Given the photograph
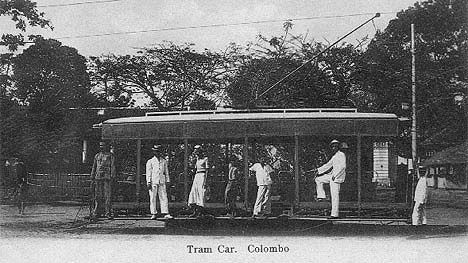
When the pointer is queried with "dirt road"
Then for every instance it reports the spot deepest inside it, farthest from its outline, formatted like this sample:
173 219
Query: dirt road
58 234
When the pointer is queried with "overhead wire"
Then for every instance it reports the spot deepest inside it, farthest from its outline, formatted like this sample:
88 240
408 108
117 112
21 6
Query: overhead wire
216 25
316 56
80 3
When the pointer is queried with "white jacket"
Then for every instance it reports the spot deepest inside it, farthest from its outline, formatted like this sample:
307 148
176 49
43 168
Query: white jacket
157 171
262 173
338 165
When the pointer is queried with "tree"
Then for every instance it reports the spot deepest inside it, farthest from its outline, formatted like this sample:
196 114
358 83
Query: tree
106 88
324 82
48 80
171 75
441 69
306 88
50 77
22 13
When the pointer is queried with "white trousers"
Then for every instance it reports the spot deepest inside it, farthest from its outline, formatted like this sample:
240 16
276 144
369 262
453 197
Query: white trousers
334 192
419 214
158 190
263 204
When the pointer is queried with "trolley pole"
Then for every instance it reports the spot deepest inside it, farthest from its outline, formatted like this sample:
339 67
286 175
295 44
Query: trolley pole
413 117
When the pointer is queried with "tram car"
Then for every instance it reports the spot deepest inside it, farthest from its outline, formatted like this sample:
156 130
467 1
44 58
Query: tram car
293 141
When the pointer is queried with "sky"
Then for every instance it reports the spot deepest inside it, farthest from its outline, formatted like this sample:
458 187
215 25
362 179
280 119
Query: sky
97 27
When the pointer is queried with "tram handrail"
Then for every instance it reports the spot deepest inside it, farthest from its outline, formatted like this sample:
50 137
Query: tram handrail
194 112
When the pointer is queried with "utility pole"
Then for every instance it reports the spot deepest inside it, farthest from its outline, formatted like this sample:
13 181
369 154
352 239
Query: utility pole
413 117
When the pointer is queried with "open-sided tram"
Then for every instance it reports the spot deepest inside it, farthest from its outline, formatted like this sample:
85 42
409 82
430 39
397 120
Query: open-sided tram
295 140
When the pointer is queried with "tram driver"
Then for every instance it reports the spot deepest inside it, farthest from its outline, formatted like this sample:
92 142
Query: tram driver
335 178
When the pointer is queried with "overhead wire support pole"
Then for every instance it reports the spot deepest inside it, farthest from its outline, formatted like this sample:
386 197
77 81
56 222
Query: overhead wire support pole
413 117
316 56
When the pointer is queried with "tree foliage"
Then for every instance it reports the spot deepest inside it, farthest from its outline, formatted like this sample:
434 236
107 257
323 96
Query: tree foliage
49 75
171 75
49 79
441 41
105 87
323 82
22 13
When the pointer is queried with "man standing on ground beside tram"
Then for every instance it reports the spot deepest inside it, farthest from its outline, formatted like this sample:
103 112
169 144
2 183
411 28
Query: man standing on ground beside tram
420 198
22 184
335 177
102 174
157 176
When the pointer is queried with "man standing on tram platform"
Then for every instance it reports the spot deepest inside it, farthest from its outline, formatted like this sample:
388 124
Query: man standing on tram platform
335 177
262 172
102 174
232 186
157 176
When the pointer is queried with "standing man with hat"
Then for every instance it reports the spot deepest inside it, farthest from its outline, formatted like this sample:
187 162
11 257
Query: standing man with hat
262 171
337 165
157 176
102 173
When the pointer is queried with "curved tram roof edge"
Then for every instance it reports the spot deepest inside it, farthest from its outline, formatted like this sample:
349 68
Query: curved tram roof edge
251 116
218 125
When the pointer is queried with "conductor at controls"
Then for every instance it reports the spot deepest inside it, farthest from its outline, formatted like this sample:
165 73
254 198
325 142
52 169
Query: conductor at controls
335 177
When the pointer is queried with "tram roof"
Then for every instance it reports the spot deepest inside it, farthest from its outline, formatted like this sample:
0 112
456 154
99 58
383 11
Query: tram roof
251 123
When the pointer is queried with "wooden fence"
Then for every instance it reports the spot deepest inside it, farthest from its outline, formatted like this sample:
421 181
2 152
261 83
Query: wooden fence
58 187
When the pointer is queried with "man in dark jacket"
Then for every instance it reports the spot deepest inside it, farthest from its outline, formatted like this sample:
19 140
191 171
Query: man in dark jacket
230 193
22 184
102 174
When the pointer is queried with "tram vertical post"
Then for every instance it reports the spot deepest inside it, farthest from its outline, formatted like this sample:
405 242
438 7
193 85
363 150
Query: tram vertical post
359 173
138 171
245 153
186 154
296 170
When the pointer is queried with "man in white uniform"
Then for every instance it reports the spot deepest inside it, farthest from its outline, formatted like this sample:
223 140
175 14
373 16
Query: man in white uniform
420 198
335 177
157 175
262 172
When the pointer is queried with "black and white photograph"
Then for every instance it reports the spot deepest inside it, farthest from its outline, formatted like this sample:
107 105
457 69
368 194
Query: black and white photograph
233 131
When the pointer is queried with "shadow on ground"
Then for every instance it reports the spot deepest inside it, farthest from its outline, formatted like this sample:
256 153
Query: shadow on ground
258 228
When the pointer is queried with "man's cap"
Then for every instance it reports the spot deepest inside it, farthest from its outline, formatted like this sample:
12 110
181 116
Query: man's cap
102 143
197 146
156 147
334 141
